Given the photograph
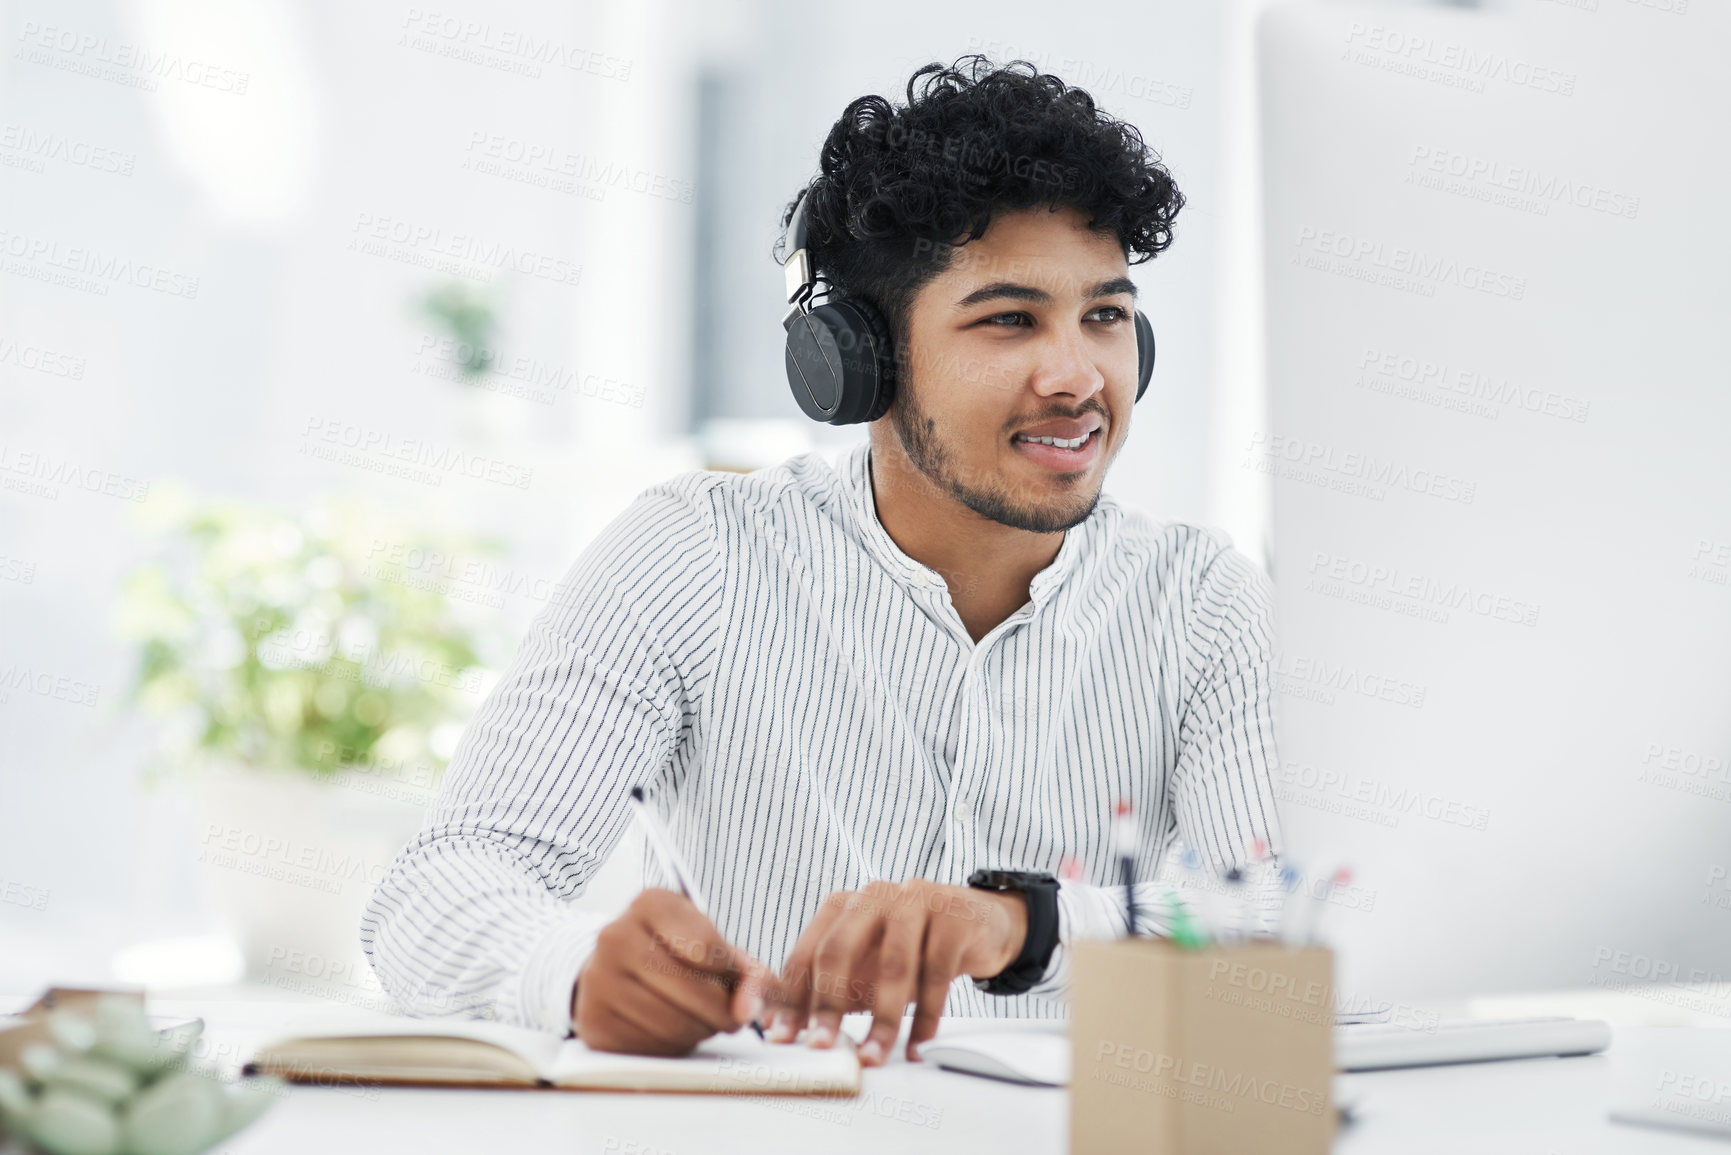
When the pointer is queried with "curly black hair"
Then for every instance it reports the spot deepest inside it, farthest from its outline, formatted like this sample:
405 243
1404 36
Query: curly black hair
898 189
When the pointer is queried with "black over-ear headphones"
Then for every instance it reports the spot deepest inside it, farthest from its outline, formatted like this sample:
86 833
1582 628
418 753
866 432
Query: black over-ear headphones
841 361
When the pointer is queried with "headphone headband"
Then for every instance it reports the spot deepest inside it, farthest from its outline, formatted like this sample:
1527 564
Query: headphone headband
796 263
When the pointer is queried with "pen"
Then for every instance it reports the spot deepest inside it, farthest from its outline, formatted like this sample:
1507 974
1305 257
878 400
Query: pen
1184 930
1207 896
670 860
1290 878
1124 835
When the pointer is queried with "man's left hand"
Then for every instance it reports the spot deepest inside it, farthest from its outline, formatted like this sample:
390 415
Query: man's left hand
889 945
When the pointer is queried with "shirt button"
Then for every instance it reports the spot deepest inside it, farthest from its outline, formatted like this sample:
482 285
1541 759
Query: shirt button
960 813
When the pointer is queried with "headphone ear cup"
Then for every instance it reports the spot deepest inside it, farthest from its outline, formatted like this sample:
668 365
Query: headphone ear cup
840 362
1144 353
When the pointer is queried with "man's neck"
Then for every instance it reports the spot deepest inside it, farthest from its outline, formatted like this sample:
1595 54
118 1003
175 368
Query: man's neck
987 565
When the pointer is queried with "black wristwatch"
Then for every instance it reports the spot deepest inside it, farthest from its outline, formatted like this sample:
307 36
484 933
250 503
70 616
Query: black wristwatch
1041 893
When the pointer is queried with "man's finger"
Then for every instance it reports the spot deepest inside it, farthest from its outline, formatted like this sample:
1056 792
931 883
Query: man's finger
793 995
844 969
756 989
701 994
898 972
941 965
668 1029
681 929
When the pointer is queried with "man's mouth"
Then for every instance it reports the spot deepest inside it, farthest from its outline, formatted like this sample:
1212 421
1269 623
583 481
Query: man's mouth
1064 451
1060 442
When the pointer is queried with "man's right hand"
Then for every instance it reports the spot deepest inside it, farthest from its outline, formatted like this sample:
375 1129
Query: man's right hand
663 979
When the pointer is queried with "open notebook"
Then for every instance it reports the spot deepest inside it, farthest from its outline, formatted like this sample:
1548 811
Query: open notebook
477 1053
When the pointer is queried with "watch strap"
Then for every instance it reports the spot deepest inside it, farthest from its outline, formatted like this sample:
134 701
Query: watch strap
1029 966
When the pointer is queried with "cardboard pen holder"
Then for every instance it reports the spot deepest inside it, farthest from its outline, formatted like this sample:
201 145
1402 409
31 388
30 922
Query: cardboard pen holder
1225 1050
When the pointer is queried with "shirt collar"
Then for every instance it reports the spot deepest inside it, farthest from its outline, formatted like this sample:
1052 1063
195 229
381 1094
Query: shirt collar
856 478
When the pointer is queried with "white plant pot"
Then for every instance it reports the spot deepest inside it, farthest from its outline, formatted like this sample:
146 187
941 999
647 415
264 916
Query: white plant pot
288 862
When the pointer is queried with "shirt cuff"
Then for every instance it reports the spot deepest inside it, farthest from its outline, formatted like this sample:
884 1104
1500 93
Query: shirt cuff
1076 917
544 987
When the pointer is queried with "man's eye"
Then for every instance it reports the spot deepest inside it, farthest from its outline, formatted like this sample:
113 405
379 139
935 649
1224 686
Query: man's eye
997 317
1118 313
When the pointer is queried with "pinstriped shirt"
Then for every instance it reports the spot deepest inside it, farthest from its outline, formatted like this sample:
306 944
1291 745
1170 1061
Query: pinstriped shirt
803 705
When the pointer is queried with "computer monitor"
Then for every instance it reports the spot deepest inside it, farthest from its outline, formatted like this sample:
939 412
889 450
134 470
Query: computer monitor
1498 272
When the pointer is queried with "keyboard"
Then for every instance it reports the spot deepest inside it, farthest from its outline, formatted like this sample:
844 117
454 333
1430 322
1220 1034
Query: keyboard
1378 1046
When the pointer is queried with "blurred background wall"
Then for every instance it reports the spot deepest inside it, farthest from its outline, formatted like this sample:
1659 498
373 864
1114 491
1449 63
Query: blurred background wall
491 271
603 179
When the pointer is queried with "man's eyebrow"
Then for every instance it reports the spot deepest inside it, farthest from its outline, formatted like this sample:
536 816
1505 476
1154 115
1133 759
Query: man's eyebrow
1010 291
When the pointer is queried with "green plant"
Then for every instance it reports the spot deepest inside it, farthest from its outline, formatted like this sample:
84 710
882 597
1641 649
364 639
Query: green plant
304 643
469 314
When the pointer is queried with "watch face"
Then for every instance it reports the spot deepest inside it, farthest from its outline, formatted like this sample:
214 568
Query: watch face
1008 879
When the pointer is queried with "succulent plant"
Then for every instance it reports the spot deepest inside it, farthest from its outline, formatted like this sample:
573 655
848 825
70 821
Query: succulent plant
109 1084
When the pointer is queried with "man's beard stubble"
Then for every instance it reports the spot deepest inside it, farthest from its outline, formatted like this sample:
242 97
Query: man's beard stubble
920 441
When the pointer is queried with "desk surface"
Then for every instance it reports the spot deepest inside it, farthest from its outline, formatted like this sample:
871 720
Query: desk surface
1529 1107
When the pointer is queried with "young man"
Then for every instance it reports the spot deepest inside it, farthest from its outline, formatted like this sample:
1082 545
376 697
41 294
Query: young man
849 688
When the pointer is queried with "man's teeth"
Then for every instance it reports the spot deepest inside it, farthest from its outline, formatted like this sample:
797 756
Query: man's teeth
1060 442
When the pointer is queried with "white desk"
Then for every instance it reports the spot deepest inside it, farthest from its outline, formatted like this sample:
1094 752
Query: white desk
1527 1107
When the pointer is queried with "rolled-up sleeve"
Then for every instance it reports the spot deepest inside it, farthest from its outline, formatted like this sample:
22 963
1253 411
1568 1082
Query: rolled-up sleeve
473 917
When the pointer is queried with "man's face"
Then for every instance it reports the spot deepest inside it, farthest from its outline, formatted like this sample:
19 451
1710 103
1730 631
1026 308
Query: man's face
1030 333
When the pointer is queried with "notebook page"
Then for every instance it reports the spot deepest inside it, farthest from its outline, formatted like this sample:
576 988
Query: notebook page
537 1048
737 1063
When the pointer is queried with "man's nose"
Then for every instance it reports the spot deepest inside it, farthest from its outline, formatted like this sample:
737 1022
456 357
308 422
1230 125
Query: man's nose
1067 365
